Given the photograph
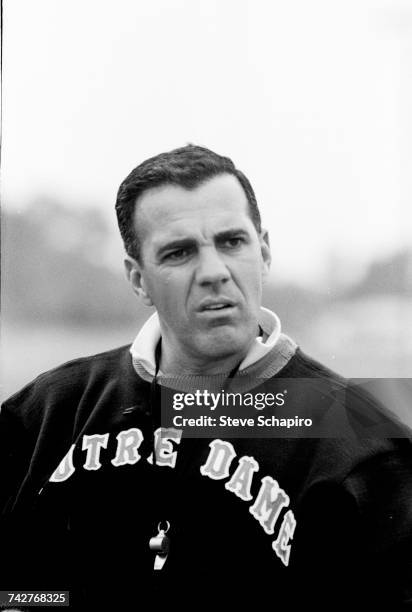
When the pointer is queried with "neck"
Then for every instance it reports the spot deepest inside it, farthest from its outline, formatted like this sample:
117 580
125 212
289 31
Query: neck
173 364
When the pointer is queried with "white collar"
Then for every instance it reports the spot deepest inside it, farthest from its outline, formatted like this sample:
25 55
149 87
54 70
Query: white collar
144 345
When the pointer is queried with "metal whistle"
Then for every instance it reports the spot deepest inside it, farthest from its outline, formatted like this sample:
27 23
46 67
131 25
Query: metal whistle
161 545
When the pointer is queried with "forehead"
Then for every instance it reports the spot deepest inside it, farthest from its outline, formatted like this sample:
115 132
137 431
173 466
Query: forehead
173 211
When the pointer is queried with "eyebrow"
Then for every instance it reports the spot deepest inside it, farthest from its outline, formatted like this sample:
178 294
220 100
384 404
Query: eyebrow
180 243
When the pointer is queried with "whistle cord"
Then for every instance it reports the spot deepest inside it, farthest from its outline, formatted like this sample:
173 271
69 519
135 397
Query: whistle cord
161 543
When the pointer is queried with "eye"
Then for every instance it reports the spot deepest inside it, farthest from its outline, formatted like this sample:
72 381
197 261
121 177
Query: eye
177 254
232 243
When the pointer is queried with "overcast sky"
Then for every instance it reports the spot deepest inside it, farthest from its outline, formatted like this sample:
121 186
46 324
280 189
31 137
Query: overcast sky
312 100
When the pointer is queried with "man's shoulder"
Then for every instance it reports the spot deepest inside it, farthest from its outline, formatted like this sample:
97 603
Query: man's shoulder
302 365
369 408
91 363
72 376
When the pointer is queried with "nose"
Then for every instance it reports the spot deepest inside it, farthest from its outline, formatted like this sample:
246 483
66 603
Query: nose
211 268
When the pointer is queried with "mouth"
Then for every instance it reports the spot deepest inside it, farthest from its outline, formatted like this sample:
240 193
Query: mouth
216 306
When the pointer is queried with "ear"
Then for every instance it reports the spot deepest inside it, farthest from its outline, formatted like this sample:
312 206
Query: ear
135 276
265 251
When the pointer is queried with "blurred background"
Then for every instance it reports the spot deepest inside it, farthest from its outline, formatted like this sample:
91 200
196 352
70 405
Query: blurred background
312 101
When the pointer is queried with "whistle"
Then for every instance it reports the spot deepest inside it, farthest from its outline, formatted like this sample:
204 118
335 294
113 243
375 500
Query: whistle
160 544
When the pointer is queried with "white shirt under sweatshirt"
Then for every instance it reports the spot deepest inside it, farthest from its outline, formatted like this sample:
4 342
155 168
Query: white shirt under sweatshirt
144 345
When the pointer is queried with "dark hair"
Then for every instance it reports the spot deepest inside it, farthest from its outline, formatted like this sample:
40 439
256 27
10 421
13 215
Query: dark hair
186 167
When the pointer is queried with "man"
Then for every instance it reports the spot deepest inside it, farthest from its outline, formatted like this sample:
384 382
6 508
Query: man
96 486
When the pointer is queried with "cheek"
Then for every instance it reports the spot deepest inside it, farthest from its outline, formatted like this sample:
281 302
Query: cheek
251 278
159 284
168 294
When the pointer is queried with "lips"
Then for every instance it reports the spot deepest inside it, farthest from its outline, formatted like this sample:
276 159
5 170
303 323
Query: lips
215 307
216 304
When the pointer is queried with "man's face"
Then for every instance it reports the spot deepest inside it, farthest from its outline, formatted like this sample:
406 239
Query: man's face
202 264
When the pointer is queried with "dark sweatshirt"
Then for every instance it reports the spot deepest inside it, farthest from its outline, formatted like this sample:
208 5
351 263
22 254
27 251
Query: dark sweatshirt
322 521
